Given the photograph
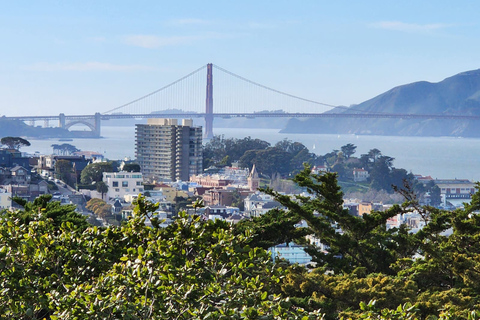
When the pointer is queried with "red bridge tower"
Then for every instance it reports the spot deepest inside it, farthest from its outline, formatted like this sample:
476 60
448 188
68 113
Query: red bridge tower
209 104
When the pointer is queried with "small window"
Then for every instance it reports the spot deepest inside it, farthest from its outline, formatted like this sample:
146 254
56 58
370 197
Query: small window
124 184
115 184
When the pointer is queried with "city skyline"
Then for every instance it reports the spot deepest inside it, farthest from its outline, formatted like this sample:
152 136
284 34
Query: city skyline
81 58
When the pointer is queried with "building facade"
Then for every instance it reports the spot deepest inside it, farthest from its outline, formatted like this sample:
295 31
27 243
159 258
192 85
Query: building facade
168 151
455 188
123 183
5 199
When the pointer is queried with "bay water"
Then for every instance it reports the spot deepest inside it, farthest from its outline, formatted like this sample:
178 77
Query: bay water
439 157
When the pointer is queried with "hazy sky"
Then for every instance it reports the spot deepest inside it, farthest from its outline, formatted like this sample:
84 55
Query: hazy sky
78 57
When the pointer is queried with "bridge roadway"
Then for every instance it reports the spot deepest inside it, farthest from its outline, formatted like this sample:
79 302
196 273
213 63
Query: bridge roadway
251 115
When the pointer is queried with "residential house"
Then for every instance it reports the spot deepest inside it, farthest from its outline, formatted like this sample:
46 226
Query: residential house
123 183
10 158
170 193
367 207
220 212
19 175
319 169
360 174
259 203
220 197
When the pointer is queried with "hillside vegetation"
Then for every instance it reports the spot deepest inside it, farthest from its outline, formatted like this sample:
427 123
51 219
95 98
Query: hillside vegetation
458 95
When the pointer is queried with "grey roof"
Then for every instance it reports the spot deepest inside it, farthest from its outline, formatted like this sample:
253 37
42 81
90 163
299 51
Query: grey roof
16 168
271 204
254 197
235 217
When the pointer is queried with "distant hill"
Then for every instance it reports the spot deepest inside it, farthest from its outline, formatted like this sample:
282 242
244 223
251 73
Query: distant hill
17 128
459 94
226 122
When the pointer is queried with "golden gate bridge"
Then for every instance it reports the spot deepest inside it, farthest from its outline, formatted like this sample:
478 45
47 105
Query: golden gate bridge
193 96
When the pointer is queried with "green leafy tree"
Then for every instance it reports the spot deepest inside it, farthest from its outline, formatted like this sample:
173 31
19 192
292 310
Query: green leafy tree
374 154
44 209
218 148
94 172
268 161
362 242
290 146
182 203
236 148
14 142
193 269
64 149
435 269
225 162
238 200
380 173
101 187
131 167
348 150
99 207
63 170
198 204
435 196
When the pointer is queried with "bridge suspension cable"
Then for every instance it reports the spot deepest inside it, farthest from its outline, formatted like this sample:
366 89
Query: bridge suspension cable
156 91
271 89
232 94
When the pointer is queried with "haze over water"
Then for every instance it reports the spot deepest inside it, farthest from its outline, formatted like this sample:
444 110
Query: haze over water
439 157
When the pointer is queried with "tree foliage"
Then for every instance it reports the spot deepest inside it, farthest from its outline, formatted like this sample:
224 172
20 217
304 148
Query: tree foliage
285 158
358 259
99 207
43 209
131 167
193 269
64 170
218 148
94 172
52 265
15 142
65 149
348 150
362 242
101 187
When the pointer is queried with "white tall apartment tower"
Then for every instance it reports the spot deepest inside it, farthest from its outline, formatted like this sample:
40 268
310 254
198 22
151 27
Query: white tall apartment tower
168 151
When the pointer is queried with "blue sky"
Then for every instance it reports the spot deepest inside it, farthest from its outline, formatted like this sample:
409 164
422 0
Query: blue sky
79 57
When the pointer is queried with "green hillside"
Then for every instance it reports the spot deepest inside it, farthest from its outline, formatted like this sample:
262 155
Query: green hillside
459 95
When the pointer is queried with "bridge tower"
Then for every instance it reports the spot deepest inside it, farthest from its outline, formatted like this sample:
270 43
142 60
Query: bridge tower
97 124
61 120
209 104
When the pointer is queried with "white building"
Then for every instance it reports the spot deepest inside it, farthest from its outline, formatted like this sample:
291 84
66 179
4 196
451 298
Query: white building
455 188
291 252
123 183
5 199
254 199
360 174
